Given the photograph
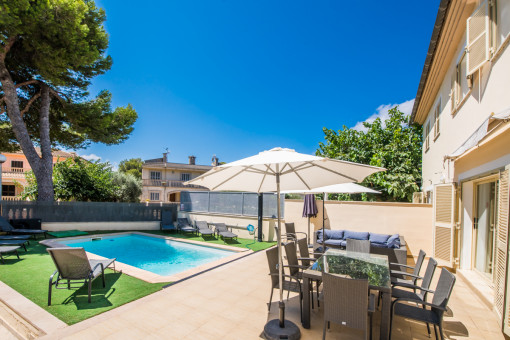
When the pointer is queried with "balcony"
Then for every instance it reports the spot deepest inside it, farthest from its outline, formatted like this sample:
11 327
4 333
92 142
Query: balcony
13 170
168 183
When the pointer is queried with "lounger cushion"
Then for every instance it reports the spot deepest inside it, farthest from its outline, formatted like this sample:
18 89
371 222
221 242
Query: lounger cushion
379 238
394 241
357 235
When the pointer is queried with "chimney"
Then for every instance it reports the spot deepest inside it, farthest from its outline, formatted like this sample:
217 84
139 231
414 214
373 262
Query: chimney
192 160
215 161
165 158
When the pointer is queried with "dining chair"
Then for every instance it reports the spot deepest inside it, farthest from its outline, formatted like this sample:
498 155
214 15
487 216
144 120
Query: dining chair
404 276
407 308
347 302
360 246
289 283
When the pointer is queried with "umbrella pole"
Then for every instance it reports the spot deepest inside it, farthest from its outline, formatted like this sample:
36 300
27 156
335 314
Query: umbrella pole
323 222
308 231
280 262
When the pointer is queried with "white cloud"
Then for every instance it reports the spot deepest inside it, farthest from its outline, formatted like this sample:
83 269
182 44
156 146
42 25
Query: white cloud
91 157
382 112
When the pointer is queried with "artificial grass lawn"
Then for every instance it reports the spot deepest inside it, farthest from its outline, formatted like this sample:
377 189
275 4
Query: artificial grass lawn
30 275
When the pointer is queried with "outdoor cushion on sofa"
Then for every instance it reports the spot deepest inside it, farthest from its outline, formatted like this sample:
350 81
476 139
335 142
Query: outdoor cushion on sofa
330 234
378 245
379 238
333 242
357 235
393 241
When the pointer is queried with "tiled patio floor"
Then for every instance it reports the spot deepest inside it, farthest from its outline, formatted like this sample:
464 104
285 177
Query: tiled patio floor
230 303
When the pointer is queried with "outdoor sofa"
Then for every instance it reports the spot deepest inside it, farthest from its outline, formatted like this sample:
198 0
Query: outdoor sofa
393 246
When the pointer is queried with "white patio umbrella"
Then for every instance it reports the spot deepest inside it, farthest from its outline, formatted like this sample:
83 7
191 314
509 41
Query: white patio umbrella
273 171
343 188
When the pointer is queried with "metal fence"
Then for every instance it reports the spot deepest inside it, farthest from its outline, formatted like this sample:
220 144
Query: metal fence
231 203
86 211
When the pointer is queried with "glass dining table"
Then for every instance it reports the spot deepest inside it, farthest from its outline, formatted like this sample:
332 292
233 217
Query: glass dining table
355 265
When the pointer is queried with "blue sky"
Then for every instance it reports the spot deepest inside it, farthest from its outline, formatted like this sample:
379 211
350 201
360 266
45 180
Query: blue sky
232 78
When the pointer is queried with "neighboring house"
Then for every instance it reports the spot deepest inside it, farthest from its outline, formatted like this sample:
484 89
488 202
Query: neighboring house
463 103
163 181
13 171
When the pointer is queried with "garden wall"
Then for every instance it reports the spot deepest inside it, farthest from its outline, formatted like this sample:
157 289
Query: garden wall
413 221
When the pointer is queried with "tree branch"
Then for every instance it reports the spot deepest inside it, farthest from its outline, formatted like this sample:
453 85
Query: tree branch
7 47
30 102
57 95
29 82
2 106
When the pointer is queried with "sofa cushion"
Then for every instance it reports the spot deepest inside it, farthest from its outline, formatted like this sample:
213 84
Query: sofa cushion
334 234
334 243
394 241
357 235
379 245
379 238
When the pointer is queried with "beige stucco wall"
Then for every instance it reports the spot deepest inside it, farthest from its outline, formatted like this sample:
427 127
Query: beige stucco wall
92 226
413 221
489 94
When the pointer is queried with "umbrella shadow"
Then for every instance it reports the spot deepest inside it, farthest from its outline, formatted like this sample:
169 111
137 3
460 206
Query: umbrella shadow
99 296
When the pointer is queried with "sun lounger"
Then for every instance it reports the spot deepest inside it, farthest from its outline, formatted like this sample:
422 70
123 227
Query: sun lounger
19 243
203 228
7 227
12 249
15 237
184 226
74 267
221 230
167 223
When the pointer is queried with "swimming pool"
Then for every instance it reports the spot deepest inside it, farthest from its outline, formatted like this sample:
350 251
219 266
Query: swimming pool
157 255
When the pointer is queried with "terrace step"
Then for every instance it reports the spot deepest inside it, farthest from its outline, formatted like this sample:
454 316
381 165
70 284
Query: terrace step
15 326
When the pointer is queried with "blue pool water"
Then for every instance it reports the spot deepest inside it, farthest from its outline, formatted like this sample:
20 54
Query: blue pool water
159 256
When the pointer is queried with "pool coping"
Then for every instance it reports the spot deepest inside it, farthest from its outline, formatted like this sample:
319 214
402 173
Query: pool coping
148 276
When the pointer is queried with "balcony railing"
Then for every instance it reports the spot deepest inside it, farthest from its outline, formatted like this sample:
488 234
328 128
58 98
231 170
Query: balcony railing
15 170
168 183
11 198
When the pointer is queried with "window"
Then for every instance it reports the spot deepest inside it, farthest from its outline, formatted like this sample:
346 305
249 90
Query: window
426 136
17 164
460 86
154 196
155 175
185 177
481 35
437 113
8 190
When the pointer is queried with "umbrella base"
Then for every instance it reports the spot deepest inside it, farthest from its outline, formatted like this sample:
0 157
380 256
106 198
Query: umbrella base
273 331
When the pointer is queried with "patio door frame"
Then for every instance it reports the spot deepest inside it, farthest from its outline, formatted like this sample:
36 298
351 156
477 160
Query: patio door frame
484 180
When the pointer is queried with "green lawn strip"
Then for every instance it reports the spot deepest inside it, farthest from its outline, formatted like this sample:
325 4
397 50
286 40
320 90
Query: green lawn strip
240 242
29 276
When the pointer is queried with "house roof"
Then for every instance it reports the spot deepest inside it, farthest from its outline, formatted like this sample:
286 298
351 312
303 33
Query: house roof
436 33
55 153
152 164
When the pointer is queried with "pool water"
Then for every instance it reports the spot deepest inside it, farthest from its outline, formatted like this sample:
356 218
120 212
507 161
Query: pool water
157 255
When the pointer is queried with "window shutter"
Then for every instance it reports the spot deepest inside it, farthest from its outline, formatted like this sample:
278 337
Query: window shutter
444 222
477 38
502 252
453 100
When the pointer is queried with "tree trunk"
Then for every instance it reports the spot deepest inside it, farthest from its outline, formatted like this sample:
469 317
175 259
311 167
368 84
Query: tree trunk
42 171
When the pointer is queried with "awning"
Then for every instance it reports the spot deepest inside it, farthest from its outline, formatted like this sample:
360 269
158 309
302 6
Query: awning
479 133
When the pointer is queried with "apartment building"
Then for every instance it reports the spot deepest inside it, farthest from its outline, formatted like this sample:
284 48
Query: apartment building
163 181
463 104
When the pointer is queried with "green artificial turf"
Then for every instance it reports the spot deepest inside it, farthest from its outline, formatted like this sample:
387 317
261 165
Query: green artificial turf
30 275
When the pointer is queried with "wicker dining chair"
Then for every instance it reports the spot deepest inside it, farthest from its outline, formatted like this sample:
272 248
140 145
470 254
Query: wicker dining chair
289 283
291 233
406 277
434 313
347 302
360 246
418 292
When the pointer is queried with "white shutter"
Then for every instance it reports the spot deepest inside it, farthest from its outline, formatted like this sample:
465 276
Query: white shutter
501 283
477 31
444 222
